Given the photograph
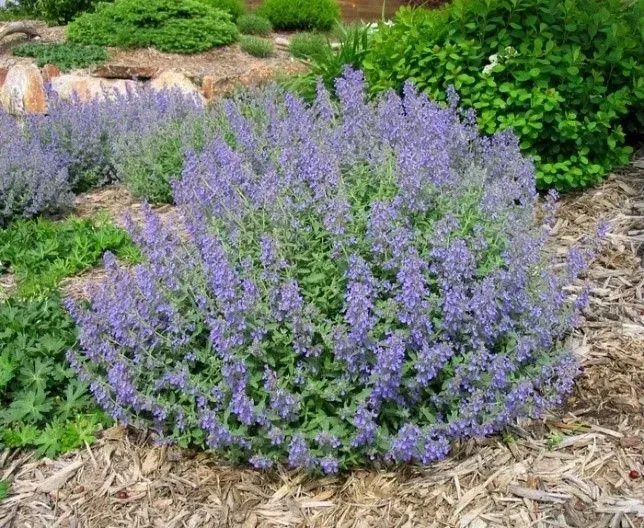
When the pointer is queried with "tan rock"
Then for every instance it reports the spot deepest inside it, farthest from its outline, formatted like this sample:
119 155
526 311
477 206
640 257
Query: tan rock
214 87
85 88
3 76
49 71
172 80
23 90
123 71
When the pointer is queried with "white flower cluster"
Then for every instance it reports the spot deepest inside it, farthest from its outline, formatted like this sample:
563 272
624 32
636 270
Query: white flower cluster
499 58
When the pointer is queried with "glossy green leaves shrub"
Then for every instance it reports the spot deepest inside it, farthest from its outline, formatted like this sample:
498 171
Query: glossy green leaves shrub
566 75
254 25
301 14
65 55
181 26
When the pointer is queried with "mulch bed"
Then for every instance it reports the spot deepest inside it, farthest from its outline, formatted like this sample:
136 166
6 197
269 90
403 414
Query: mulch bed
578 467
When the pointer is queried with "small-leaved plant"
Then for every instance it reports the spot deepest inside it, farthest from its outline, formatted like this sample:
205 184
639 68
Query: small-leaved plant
64 55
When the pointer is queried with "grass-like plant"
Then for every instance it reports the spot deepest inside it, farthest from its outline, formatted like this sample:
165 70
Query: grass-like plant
43 404
64 55
308 45
185 26
319 15
359 282
257 46
254 25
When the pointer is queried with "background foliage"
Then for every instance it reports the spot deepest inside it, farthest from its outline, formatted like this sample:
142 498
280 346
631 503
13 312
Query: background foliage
254 25
301 14
567 76
187 26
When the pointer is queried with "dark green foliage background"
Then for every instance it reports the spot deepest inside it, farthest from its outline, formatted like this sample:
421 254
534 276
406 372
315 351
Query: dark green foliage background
187 26
301 14
571 92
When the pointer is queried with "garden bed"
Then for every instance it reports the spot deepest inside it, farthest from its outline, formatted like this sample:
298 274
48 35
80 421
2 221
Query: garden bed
228 61
578 467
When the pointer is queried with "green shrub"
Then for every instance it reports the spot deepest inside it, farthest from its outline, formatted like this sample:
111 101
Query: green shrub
308 45
301 14
42 402
234 8
62 11
257 46
65 55
565 76
254 25
41 252
187 26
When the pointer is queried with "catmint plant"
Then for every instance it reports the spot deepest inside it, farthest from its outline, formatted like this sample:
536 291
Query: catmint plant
349 282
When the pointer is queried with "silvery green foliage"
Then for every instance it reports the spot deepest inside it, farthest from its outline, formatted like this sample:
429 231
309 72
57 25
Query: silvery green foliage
351 282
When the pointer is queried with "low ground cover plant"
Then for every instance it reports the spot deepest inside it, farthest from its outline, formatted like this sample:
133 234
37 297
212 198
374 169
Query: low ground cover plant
65 55
320 15
185 26
43 405
566 76
257 46
42 252
254 25
357 282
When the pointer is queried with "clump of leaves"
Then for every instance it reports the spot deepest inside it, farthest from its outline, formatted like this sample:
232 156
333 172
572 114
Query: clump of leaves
64 55
188 26
43 404
257 46
42 252
254 25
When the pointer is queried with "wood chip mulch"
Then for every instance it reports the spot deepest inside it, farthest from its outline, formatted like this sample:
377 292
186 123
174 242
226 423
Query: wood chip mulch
581 466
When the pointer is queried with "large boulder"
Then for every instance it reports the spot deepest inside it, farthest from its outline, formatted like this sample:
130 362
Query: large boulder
82 88
172 80
49 71
23 90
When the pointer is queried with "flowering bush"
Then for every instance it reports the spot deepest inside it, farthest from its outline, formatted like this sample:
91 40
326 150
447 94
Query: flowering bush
32 179
44 158
348 283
